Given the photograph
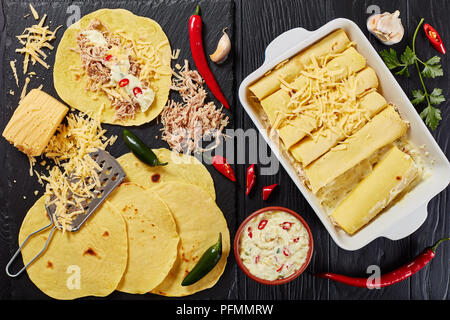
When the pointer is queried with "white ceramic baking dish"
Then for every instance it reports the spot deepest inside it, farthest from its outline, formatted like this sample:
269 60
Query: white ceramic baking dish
407 215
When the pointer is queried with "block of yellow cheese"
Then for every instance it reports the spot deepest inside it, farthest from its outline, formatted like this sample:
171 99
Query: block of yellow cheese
383 129
334 43
34 122
375 192
312 147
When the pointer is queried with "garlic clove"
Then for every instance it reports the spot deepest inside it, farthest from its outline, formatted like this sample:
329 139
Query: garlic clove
387 27
222 50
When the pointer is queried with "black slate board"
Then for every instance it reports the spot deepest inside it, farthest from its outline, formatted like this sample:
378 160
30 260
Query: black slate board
17 187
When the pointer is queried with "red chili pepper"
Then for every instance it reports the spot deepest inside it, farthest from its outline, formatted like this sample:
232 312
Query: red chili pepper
198 54
434 38
250 234
281 268
268 190
256 259
392 277
124 82
222 165
251 178
286 252
286 225
137 91
296 239
108 57
262 224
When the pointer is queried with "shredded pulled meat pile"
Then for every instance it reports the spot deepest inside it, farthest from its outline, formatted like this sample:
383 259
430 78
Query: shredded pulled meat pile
187 124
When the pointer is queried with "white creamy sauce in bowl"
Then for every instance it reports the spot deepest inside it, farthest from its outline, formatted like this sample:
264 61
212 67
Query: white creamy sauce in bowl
274 245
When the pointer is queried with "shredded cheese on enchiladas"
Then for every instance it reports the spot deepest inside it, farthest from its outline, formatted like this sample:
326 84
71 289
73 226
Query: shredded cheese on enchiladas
333 104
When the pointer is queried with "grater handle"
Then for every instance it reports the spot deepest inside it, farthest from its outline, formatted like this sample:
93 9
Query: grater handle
23 244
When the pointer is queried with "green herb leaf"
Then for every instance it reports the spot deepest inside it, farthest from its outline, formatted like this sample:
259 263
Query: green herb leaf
433 68
431 116
390 58
403 72
436 97
419 97
408 57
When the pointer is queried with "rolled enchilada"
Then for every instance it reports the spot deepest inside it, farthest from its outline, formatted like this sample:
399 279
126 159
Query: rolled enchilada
383 129
312 147
292 131
334 43
348 62
374 193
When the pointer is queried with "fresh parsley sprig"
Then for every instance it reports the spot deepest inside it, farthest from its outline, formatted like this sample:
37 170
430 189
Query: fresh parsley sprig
392 62
432 68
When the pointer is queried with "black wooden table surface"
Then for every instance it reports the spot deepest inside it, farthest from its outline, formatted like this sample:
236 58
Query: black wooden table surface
256 24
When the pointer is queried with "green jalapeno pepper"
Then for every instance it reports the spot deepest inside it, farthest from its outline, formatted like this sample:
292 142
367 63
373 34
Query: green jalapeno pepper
206 263
140 149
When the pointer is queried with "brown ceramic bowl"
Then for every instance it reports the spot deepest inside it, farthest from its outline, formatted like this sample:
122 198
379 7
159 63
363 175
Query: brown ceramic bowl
278 281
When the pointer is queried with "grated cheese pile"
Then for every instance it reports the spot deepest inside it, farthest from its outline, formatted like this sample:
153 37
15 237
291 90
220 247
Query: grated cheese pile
187 124
333 104
34 39
73 179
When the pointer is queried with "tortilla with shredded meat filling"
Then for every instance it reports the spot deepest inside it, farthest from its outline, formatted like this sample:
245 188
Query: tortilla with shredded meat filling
114 58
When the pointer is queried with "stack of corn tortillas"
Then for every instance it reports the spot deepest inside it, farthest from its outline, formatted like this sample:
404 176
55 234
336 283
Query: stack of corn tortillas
149 233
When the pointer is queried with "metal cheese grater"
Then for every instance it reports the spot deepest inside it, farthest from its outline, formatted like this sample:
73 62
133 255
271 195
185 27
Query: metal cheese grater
111 175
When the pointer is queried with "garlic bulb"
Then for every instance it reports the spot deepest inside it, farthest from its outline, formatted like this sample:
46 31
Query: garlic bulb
223 49
387 27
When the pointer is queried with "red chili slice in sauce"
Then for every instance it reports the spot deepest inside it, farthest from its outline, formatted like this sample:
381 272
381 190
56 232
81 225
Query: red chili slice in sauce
281 268
137 91
256 259
108 57
296 239
262 224
124 82
286 252
286 225
250 234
